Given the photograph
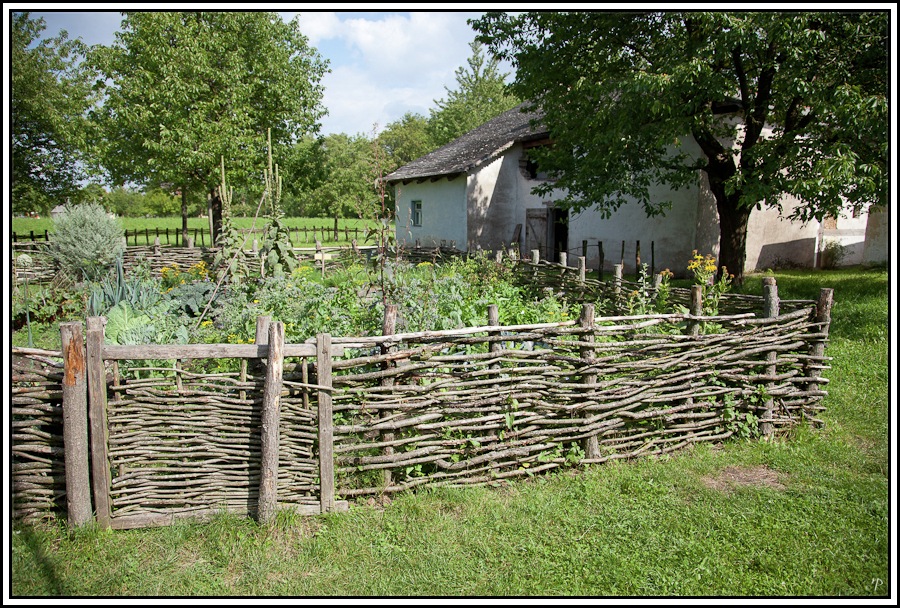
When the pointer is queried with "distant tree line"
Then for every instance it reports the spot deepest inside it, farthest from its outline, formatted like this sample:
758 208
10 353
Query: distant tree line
142 125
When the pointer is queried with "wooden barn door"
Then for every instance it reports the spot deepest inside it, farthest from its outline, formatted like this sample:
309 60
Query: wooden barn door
536 232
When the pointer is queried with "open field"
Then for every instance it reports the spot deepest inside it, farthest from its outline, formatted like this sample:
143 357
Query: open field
805 515
142 231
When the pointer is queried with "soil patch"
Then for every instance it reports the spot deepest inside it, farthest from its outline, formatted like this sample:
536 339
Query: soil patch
733 477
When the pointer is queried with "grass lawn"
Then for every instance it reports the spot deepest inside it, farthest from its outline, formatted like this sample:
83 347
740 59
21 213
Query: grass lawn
147 227
805 515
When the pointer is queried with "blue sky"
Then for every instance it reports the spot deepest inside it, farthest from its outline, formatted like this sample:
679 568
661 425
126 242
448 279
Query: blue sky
383 64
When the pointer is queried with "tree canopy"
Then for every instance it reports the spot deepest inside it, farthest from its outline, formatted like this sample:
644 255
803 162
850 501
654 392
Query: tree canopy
185 89
51 93
481 95
778 103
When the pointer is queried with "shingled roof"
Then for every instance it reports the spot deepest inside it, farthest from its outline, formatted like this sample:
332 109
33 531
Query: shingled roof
474 148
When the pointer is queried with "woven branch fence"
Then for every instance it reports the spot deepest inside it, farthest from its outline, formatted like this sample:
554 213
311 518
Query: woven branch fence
149 434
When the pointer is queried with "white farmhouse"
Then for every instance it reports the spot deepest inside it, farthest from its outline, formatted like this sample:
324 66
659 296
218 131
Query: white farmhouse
475 194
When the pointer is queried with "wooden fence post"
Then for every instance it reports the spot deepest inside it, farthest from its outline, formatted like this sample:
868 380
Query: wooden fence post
75 425
326 423
693 326
493 312
535 256
582 268
617 277
771 310
96 373
602 260
637 260
564 259
271 419
817 350
261 337
388 327
653 257
591 444
321 254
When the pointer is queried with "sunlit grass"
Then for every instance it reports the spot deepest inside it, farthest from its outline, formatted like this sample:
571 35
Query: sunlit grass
806 515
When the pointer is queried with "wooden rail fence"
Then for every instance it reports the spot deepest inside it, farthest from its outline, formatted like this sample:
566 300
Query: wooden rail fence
161 432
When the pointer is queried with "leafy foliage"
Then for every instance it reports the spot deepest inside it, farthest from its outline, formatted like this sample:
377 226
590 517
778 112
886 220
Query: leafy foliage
481 95
50 98
188 88
86 240
764 104
137 289
278 256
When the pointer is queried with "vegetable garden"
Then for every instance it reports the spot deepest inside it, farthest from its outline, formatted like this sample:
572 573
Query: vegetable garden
485 369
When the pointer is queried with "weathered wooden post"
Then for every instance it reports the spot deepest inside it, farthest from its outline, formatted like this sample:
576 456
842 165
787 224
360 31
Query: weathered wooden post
321 255
584 248
602 260
271 419
638 271
535 256
494 346
326 423
75 425
582 269
653 257
771 309
563 259
99 434
693 326
190 242
591 444
817 350
156 246
617 278
388 327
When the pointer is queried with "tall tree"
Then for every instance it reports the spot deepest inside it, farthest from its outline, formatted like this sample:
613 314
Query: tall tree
51 93
778 103
405 140
347 184
188 88
481 95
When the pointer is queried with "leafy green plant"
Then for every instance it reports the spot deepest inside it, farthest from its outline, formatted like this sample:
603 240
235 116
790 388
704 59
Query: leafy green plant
138 289
704 270
231 260
278 256
124 325
86 240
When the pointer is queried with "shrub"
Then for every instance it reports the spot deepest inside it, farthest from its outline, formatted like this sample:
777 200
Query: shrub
86 241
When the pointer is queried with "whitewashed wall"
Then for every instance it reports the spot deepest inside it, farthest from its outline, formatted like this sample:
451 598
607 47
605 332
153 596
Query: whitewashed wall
443 213
499 195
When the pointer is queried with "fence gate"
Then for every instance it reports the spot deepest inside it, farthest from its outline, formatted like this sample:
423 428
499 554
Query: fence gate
184 431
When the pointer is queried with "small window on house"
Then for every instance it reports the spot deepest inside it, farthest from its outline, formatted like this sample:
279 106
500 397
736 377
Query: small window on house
416 212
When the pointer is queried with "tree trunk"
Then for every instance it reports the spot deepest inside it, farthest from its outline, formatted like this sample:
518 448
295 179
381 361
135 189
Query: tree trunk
733 222
215 216
184 227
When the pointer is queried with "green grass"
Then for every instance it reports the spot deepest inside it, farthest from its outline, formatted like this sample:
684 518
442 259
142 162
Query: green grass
813 521
23 226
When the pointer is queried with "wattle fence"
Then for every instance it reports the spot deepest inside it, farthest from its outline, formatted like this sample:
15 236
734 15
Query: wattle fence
145 434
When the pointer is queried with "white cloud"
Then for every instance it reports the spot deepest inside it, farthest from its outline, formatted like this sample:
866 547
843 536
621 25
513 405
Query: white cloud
386 64
316 25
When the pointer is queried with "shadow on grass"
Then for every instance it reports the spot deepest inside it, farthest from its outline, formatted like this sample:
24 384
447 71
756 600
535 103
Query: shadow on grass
45 564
